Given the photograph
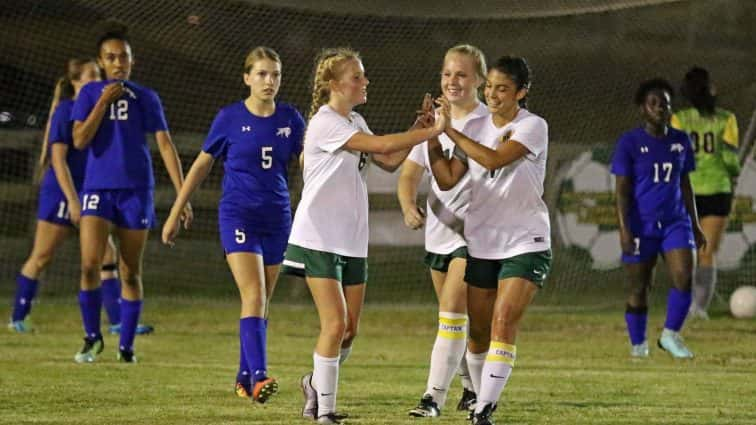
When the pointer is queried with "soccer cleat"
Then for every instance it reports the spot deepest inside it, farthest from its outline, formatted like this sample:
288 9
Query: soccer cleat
264 389
21 326
484 417
126 356
331 418
310 409
697 313
88 353
140 330
242 390
671 342
467 402
639 350
427 408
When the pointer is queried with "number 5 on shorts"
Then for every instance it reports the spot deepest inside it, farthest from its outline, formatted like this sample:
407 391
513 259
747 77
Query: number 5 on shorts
241 237
91 201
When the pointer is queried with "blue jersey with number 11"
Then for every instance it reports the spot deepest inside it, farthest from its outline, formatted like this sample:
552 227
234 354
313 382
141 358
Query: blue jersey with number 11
256 152
655 166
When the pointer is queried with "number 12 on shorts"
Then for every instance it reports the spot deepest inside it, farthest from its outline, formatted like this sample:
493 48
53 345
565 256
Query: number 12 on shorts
91 201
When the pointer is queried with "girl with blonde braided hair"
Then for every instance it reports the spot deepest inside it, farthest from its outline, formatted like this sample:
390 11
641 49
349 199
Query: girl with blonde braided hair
338 147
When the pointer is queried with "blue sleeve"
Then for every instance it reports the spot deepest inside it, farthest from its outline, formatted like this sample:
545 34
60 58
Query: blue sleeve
622 161
298 130
60 126
216 143
154 116
689 164
84 104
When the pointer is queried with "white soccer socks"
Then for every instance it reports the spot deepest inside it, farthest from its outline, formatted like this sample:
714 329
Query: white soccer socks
448 351
325 380
496 370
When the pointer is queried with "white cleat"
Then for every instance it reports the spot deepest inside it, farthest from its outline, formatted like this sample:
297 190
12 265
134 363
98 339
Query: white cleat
639 350
671 342
310 409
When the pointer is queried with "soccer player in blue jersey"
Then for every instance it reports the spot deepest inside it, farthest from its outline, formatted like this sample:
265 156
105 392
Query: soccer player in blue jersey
59 209
657 215
257 138
111 119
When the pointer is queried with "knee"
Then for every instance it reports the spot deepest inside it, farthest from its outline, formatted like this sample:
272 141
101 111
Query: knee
682 278
506 317
40 261
131 279
480 333
90 270
350 333
706 255
638 294
335 329
253 300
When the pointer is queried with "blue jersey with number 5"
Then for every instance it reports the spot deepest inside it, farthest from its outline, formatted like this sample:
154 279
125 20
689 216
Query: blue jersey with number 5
256 152
119 157
655 166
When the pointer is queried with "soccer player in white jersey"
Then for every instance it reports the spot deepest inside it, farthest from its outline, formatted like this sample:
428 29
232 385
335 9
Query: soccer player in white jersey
463 73
507 226
329 237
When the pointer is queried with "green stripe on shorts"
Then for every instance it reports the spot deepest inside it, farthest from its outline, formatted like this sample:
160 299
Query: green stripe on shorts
299 261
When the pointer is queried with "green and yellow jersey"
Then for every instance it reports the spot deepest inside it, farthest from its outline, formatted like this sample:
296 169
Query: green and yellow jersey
715 142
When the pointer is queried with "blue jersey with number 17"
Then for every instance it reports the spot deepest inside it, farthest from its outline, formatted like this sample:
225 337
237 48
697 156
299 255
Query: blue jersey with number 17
655 166
256 152
119 157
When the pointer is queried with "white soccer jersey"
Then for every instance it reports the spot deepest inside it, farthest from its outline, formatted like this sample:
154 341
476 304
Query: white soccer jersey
507 215
445 210
333 213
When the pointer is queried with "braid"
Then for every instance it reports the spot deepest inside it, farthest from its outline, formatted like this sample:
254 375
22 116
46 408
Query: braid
320 92
326 66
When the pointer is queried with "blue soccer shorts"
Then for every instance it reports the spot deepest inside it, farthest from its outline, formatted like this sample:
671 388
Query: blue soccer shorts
666 237
126 208
53 207
240 235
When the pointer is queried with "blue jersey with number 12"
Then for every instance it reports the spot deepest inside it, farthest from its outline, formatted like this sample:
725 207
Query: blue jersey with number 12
119 157
655 166
256 152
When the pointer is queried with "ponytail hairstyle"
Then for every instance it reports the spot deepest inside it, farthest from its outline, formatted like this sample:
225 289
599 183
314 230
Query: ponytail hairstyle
259 53
328 68
518 70
64 88
696 88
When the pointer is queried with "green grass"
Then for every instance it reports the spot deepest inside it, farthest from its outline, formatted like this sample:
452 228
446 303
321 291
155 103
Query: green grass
572 368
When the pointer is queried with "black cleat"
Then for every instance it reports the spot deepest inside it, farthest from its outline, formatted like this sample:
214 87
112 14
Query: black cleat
427 408
91 349
484 417
126 356
467 402
332 418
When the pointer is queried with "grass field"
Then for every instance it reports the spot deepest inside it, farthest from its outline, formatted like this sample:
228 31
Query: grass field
573 368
